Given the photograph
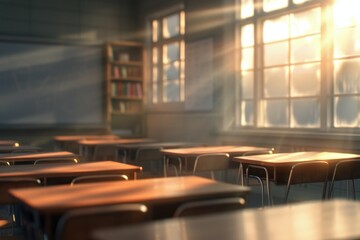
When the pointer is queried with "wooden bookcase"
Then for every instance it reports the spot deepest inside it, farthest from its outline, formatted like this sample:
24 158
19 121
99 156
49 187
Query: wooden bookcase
125 86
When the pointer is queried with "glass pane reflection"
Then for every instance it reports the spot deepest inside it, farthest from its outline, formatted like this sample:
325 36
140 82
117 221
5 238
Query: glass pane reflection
171 71
305 113
171 52
276 29
271 5
171 26
349 45
346 111
276 113
306 49
347 76
305 80
247 113
247 84
307 22
247 8
276 82
171 91
276 54
247 58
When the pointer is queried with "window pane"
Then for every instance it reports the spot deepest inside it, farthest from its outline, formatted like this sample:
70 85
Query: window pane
276 54
247 8
276 82
171 26
171 91
276 29
155 56
276 113
305 113
346 13
305 80
247 35
182 22
347 112
170 52
171 71
247 84
347 76
154 93
155 30
271 5
306 49
307 22
247 113
247 58
349 45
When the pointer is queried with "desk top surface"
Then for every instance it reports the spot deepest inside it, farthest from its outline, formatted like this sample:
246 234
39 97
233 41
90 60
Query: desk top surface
194 151
114 142
280 159
69 138
335 219
9 143
34 156
58 199
160 145
63 170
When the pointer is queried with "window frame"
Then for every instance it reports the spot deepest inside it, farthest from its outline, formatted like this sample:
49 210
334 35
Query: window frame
326 94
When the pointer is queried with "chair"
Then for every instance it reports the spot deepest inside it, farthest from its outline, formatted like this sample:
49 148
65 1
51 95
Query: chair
150 158
212 206
98 178
211 162
78 224
14 220
345 170
308 172
4 163
69 160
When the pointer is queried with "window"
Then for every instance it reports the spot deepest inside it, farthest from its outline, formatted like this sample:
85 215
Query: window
286 76
168 58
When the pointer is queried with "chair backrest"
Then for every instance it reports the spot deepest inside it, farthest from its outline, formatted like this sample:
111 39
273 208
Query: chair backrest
196 208
70 160
346 169
211 162
12 183
4 163
148 154
99 178
308 172
78 224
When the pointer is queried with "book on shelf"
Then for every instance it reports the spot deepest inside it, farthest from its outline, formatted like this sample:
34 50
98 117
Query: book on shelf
124 57
124 72
116 72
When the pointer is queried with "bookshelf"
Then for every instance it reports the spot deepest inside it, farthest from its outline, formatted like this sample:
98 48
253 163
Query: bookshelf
125 86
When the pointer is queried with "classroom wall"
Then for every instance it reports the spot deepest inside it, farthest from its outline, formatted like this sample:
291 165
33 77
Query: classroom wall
80 20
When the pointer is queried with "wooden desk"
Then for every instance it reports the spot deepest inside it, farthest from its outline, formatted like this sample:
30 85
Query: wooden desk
70 142
9 143
311 221
89 148
21 148
18 158
188 155
277 166
129 150
69 170
161 195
